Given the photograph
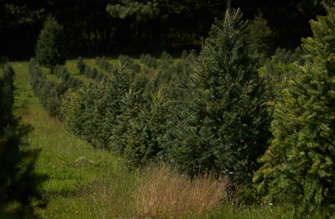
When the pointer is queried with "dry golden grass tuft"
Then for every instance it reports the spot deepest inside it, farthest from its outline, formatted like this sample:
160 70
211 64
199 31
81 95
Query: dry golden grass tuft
157 192
167 193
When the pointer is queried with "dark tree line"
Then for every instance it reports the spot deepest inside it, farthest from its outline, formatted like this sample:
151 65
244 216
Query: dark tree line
111 27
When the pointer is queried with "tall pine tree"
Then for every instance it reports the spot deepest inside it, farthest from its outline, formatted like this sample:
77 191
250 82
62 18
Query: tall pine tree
299 164
221 124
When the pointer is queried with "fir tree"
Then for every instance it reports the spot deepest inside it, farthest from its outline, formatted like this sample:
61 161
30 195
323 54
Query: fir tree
221 124
8 76
141 145
50 48
261 37
299 164
81 65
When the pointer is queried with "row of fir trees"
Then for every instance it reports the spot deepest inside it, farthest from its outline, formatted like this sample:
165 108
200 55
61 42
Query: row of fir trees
214 112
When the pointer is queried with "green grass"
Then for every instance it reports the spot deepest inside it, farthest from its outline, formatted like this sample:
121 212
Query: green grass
89 183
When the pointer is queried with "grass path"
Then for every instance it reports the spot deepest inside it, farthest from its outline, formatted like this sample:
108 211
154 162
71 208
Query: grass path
64 157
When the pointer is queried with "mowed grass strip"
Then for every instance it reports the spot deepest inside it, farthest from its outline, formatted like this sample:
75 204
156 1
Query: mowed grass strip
89 183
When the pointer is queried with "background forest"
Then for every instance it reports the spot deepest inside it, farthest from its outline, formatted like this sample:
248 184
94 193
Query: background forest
133 28
160 109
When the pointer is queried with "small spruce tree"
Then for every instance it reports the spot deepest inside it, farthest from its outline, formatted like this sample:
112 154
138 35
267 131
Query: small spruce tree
50 48
299 164
8 76
81 65
141 145
261 37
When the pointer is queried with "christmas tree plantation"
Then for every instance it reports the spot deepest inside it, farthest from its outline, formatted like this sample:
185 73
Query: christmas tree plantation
299 164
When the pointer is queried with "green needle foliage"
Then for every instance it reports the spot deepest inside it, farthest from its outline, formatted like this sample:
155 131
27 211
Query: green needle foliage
50 48
222 123
19 184
299 164
102 112
145 130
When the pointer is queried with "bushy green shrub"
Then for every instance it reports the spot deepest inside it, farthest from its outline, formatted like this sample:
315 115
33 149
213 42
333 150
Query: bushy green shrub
220 124
19 183
299 164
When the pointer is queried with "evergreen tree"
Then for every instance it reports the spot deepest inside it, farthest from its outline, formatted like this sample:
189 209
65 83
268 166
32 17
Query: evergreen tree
50 48
8 76
81 65
141 145
261 37
19 184
299 164
221 124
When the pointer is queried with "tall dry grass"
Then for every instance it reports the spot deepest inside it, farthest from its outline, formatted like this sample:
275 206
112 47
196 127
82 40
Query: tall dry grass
157 192
164 192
